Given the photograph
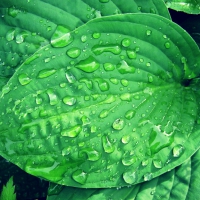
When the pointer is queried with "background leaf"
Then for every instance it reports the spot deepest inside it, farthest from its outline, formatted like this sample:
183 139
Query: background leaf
113 108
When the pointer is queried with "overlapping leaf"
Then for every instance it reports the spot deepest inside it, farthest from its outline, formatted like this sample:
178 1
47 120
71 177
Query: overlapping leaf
27 26
115 101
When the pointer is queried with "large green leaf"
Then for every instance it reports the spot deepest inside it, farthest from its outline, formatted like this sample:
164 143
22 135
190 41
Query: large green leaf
112 107
188 6
20 38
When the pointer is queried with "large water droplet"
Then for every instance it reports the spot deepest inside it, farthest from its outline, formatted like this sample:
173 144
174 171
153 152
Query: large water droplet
92 154
96 35
150 78
178 150
61 37
69 100
52 97
126 42
46 73
129 177
148 176
157 163
109 66
24 79
131 54
103 85
21 36
107 145
74 52
90 64
124 68
130 114
72 132
118 124
10 35
80 176
99 49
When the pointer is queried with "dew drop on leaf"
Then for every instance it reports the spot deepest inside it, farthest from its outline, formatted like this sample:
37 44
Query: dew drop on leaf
52 97
177 150
124 68
99 49
92 154
38 100
126 42
118 124
74 52
46 73
72 132
129 177
83 38
70 77
80 176
148 32
157 163
69 100
150 78
107 145
145 162
103 85
10 35
20 37
24 79
89 65
148 176
109 66
46 60
125 97
167 45
96 35
130 114
131 54
103 113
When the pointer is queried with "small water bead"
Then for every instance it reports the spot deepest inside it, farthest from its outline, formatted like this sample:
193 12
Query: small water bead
88 65
126 42
99 49
124 82
24 79
130 114
178 150
52 97
148 32
83 38
66 151
74 52
164 36
61 37
129 177
96 35
104 113
114 81
72 132
167 45
6 89
69 101
150 78
125 139
131 54
70 77
80 176
10 35
92 154
145 162
85 120
148 64
108 66
157 163
148 176
38 100
107 145
141 60
128 159
118 124
93 129
46 60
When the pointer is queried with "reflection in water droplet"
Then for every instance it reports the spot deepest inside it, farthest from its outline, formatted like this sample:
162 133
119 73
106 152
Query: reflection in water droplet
69 100
107 145
24 79
85 120
178 150
118 124
52 97
114 81
38 100
129 177
99 49
167 45
72 132
89 65
148 176
74 52
80 176
13 12
96 35
157 163
124 68
46 73
61 37
46 60
109 66
92 154
126 42
10 35
130 114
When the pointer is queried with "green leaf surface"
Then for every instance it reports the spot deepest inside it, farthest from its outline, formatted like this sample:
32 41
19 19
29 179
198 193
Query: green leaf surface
188 6
113 109
8 192
179 183
20 38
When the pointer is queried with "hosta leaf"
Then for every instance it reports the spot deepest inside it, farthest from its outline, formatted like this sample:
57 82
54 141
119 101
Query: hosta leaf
188 6
20 38
119 111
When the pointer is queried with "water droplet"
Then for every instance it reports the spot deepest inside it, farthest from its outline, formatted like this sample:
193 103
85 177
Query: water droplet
167 45
148 176
6 89
148 32
124 82
89 65
148 64
72 132
83 38
114 81
141 60
107 145
61 37
125 97
104 113
69 100
46 73
131 54
118 124
126 139
20 37
87 82
109 66
70 77
46 60
129 177
104 1
74 52
157 163
103 85
13 12
52 97
124 68
99 49
164 36
92 154
85 120
178 150
130 114
128 159
126 42
80 176
145 162
66 151
150 78
32 58
10 35
96 35
24 79
38 100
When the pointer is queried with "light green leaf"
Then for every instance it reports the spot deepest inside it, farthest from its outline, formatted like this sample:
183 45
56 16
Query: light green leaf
188 6
121 113
8 192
